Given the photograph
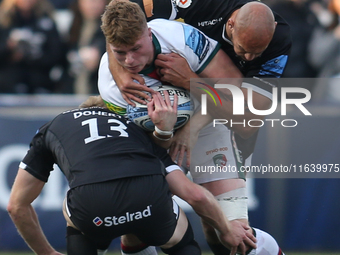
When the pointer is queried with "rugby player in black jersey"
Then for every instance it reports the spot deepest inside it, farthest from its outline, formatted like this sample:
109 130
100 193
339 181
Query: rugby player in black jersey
255 39
117 185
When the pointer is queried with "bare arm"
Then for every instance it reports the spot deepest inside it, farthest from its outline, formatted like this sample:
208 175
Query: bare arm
205 205
164 116
176 70
129 89
216 69
25 190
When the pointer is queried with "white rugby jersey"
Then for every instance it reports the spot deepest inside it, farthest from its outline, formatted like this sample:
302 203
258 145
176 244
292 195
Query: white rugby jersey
168 36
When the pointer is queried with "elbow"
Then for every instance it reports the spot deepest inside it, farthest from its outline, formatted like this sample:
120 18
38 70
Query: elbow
13 208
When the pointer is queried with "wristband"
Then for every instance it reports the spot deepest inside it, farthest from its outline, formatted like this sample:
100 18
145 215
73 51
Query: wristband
162 139
161 132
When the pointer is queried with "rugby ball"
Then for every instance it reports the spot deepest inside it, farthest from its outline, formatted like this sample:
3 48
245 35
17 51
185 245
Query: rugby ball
139 114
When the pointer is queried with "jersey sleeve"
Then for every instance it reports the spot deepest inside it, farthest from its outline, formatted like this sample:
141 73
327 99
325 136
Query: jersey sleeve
165 158
39 160
199 47
192 44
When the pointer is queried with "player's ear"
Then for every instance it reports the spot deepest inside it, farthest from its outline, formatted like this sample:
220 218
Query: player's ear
230 24
149 33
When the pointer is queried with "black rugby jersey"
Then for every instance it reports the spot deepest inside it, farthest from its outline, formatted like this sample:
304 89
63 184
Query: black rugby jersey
93 145
210 16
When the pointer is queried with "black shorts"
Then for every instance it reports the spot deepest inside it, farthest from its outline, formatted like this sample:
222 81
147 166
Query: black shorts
139 205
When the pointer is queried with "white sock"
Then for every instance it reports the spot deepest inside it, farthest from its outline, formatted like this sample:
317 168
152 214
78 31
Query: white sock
150 250
266 244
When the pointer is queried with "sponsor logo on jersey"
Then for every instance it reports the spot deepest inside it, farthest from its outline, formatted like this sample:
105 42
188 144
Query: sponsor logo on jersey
220 160
183 3
97 221
209 22
195 40
127 217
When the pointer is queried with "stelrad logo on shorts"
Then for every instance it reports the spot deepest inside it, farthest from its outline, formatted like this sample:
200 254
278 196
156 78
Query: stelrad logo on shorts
128 217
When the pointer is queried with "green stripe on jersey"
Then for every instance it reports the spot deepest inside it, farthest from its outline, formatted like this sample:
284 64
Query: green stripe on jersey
115 108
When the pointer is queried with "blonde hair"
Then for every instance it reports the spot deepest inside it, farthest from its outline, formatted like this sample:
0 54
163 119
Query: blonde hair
123 23
93 101
8 9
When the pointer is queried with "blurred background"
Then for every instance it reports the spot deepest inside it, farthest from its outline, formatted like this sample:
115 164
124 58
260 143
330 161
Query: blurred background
49 57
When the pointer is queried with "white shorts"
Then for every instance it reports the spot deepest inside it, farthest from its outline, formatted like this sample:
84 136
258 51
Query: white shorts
216 156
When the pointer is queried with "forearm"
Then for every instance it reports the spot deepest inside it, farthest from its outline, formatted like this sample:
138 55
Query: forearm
209 210
114 66
220 110
198 121
224 81
26 221
221 107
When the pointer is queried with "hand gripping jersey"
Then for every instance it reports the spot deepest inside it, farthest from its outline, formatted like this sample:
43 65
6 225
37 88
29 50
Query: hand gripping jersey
190 43
210 16
94 145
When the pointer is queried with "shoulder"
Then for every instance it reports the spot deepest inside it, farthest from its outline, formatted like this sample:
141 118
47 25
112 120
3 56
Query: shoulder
168 34
159 25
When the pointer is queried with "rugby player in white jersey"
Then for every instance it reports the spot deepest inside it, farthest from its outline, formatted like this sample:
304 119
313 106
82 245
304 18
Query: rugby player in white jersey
137 56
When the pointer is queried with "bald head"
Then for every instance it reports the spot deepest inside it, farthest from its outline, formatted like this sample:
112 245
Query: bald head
254 27
255 16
